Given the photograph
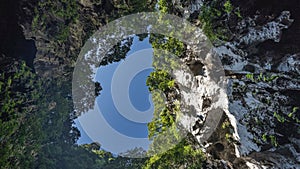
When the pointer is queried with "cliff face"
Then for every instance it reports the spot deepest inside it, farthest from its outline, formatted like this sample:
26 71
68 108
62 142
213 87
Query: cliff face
260 57
60 29
261 63
13 44
36 104
59 37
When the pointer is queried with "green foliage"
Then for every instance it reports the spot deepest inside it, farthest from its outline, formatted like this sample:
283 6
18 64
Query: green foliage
169 44
33 133
35 21
140 6
58 144
250 76
279 118
64 155
163 6
227 136
164 117
162 130
238 13
292 116
211 15
225 124
264 137
118 52
161 124
105 160
261 77
132 6
124 163
282 120
20 128
160 80
159 105
182 155
62 14
295 109
273 141
207 17
228 8
63 34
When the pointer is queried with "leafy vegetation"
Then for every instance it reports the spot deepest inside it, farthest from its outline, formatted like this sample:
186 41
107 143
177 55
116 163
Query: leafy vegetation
160 80
269 139
262 77
62 14
140 6
212 12
19 125
293 115
121 8
225 124
36 124
183 155
170 44
165 110
279 118
36 118
118 52
168 148
164 117
163 6
264 137
273 141
228 8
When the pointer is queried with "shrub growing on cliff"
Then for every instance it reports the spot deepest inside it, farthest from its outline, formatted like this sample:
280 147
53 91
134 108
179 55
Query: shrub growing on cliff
183 155
58 14
160 80
228 7
163 6
213 17
163 117
20 128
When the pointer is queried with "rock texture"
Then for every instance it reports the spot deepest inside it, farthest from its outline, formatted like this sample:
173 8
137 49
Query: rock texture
262 109
260 125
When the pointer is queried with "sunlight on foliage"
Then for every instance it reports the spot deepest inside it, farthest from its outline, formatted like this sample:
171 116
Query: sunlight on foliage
182 155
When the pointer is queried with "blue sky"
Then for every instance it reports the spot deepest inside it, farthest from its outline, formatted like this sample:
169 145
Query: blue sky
138 94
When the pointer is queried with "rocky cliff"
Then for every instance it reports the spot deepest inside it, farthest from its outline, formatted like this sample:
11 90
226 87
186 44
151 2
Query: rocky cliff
260 124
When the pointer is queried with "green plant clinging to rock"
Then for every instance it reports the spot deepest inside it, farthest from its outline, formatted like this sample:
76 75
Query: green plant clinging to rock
228 8
20 127
163 6
211 16
163 116
182 155
62 14
160 80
